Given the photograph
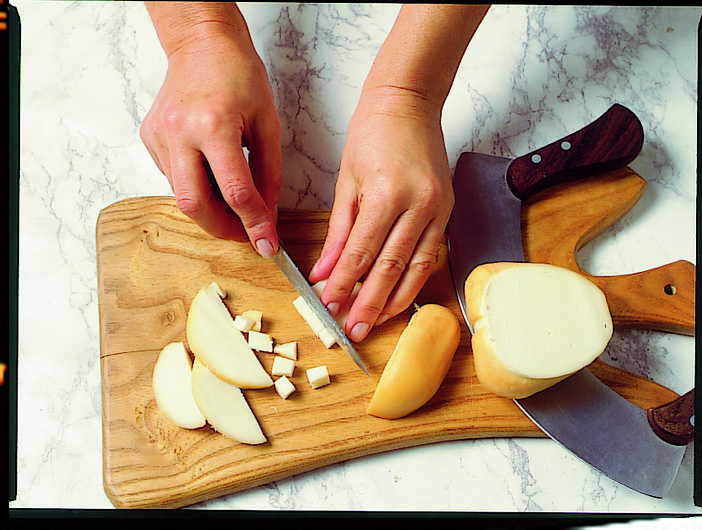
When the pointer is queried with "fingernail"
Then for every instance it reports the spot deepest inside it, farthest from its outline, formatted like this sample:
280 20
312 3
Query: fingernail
264 248
314 268
333 308
359 331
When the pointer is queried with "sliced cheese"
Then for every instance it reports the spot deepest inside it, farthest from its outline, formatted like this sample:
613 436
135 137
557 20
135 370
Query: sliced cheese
533 322
172 384
225 406
214 339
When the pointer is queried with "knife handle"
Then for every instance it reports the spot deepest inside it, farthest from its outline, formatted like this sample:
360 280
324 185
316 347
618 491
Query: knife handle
673 422
610 142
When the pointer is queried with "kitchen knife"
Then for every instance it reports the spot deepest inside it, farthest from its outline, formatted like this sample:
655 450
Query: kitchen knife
303 288
485 227
628 444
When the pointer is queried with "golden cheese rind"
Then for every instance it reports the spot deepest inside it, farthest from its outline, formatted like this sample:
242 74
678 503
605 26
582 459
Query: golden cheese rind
418 364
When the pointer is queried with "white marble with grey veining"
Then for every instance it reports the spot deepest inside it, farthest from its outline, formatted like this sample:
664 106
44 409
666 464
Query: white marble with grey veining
532 74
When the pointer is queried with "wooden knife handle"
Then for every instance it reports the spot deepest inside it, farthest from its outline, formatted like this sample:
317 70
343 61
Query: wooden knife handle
662 298
673 422
610 142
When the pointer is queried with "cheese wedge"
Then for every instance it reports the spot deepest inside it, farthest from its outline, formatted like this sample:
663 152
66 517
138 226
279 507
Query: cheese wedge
534 325
418 364
215 340
225 406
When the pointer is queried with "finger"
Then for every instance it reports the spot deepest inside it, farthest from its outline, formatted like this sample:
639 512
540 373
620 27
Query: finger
265 161
417 272
233 175
196 198
392 264
341 220
365 240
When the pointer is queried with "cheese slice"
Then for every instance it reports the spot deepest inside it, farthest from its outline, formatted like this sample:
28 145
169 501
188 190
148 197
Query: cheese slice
534 324
225 406
215 340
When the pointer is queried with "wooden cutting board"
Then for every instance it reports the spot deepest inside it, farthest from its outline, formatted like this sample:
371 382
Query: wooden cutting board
151 262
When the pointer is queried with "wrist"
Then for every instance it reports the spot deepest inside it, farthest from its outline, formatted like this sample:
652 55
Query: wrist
201 26
399 100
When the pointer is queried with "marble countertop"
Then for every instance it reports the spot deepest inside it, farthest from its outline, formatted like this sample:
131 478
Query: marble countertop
90 71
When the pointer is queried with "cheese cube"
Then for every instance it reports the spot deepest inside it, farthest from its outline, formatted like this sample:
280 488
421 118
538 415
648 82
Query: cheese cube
288 350
326 337
284 387
260 341
302 307
256 316
243 323
318 376
283 366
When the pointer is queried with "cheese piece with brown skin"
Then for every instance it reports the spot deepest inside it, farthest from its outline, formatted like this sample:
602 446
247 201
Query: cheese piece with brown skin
418 364
534 325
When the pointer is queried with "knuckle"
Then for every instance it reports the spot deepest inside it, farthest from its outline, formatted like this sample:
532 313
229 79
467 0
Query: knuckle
237 194
423 263
173 120
210 122
188 205
369 309
359 259
390 266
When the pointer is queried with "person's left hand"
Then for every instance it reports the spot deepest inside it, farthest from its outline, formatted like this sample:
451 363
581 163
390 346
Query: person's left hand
393 200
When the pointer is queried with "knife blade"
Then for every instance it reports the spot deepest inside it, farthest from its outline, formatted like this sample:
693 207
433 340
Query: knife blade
489 190
303 288
620 442
485 227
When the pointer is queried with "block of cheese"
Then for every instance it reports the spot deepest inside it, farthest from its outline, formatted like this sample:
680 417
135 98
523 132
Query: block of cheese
534 325
418 364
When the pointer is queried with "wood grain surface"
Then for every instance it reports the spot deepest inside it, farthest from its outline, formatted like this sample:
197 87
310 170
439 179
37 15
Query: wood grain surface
151 262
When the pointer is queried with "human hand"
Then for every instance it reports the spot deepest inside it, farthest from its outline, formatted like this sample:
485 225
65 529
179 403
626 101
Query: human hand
215 101
393 200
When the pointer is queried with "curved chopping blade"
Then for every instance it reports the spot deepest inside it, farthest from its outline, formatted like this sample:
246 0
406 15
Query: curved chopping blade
605 430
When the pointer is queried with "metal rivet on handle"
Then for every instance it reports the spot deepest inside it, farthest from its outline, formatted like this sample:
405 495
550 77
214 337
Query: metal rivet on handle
536 158
565 145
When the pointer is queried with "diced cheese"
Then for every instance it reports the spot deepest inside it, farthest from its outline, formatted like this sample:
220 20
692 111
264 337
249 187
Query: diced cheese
326 337
302 307
288 350
256 316
318 376
243 323
284 387
283 366
260 341
314 322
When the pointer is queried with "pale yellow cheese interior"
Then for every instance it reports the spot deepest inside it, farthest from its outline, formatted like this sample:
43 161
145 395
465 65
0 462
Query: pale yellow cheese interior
534 324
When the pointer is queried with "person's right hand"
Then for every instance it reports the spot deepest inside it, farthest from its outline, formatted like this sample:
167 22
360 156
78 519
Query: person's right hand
215 101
